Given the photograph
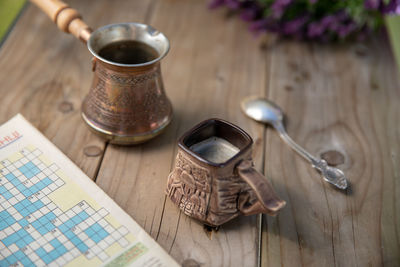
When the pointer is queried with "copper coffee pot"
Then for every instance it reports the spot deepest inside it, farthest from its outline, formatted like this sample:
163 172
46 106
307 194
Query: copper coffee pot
126 103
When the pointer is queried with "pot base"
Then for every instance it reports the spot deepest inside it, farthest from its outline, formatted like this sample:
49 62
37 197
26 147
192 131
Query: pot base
119 139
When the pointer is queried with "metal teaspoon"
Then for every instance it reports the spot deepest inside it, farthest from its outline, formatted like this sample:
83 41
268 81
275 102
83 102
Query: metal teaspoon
265 111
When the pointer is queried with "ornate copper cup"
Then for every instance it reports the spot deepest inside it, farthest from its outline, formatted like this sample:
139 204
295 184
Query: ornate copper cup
127 103
214 180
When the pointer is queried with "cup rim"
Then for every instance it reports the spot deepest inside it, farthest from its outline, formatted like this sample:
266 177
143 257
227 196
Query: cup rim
198 127
149 28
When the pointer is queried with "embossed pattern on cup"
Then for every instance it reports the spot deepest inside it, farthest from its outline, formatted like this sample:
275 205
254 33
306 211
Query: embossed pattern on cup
216 192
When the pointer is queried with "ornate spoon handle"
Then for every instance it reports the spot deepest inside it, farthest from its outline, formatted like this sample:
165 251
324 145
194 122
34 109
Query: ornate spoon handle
330 174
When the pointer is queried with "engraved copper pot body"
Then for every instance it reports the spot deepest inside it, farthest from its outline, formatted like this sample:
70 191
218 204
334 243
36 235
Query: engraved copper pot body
215 193
127 103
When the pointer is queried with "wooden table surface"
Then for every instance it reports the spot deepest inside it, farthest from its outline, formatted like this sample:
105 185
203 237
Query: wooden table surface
342 102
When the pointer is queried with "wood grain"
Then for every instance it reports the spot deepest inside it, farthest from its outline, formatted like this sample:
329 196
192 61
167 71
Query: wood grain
341 102
337 99
213 63
45 75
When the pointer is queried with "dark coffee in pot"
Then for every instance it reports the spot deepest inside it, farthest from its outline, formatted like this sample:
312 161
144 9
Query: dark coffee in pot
128 52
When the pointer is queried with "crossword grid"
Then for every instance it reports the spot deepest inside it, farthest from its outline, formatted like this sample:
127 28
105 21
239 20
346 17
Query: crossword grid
34 231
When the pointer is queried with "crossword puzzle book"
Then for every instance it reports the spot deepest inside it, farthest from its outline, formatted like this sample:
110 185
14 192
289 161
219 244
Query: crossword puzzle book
52 214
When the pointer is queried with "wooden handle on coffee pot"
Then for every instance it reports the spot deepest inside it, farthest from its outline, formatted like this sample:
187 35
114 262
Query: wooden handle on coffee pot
66 18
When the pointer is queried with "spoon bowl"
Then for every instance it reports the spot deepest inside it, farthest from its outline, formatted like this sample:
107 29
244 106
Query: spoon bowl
265 111
262 110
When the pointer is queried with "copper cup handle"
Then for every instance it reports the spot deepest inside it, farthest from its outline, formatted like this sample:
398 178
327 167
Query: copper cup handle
268 202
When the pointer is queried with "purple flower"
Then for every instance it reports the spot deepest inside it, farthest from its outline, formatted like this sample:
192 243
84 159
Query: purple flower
345 30
293 26
372 4
393 7
312 19
233 4
279 6
216 3
250 11
315 29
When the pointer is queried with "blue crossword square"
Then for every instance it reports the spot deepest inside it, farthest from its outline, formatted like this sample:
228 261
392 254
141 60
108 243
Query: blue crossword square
40 252
27 193
23 222
47 259
50 216
50 226
96 238
102 233
22 233
82 247
4 214
31 208
26 261
15 181
20 187
38 204
19 257
89 232
2 189
11 239
34 188
29 165
75 240
24 212
10 177
7 195
96 227
76 219
42 230
69 224
55 243
20 243
61 250
43 220
28 239
19 206
35 170
10 220
3 225
19 254
83 215
54 254
29 174
36 224
26 202
41 185
23 169
12 259
47 181
69 234
63 228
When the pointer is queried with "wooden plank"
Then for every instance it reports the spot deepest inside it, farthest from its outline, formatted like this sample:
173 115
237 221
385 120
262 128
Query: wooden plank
213 63
41 80
341 98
